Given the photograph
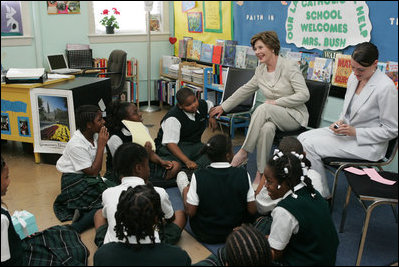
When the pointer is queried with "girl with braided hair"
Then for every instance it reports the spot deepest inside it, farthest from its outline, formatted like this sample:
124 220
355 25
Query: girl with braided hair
163 172
131 165
219 197
302 231
138 216
80 165
288 144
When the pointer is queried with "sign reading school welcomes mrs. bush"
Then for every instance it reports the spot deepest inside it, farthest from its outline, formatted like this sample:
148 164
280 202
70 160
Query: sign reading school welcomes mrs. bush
327 24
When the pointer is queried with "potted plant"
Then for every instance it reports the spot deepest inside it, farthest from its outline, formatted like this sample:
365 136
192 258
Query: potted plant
110 22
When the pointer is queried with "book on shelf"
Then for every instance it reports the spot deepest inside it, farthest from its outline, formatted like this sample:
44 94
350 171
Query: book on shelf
241 51
251 60
217 54
229 52
382 66
322 69
167 61
131 67
220 42
306 58
189 48
392 72
342 70
196 50
206 52
295 56
182 49
283 51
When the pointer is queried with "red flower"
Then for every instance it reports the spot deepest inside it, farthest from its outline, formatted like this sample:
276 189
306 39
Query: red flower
105 12
117 12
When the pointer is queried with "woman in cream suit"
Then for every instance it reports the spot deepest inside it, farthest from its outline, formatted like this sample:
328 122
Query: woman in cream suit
282 84
369 118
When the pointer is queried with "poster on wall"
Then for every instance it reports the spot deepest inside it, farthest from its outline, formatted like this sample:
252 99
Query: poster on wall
327 25
5 123
24 129
187 5
63 7
11 18
194 20
53 119
212 16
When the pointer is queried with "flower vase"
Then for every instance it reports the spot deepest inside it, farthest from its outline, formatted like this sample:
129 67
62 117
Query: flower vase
109 29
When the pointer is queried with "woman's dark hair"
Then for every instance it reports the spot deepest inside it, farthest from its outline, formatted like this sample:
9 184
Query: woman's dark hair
365 54
247 246
183 94
217 147
126 157
138 213
117 113
85 114
287 167
291 143
269 38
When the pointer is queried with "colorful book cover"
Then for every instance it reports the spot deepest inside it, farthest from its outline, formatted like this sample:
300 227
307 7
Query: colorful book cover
322 69
331 53
206 53
196 52
283 51
342 70
241 52
217 54
189 48
251 60
382 66
182 49
229 53
306 58
392 72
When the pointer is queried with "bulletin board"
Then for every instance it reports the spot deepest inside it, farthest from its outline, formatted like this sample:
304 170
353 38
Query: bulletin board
251 17
207 21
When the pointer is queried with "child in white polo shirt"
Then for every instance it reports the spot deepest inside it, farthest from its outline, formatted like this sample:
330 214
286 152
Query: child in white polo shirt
80 164
131 165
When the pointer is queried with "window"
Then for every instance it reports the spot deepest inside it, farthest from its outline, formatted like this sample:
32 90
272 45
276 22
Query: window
132 18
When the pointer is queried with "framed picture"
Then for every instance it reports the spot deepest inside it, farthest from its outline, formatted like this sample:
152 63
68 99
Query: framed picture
63 7
5 123
53 119
24 126
194 21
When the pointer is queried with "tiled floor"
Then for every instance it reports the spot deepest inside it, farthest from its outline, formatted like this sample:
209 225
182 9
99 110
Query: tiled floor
34 187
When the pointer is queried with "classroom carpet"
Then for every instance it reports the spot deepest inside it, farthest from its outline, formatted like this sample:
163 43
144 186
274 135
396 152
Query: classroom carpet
381 246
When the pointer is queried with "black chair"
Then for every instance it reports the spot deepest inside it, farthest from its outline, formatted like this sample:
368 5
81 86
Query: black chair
366 190
240 115
341 163
116 69
318 96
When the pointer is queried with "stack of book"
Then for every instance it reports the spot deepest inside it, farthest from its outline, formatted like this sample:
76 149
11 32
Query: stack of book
198 75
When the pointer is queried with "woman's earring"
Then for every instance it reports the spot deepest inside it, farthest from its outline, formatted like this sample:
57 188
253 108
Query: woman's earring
278 187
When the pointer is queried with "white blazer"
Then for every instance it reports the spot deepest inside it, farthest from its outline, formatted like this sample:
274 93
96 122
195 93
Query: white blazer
375 113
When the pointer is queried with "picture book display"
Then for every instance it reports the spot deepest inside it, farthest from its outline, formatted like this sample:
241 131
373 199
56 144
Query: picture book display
206 52
189 48
241 52
229 53
251 60
306 58
342 70
196 51
322 69
217 54
392 72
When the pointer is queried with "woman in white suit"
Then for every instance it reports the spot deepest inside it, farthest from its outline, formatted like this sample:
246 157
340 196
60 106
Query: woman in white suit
282 84
369 118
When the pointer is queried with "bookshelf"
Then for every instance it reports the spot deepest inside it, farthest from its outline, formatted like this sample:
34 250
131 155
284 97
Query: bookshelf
132 79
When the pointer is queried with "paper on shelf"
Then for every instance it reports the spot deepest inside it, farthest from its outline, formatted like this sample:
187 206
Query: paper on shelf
139 133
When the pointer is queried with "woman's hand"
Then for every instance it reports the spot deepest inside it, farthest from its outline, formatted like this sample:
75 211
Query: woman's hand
341 128
216 111
103 136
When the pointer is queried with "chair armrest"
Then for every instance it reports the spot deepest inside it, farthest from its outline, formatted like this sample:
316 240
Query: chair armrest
107 73
87 69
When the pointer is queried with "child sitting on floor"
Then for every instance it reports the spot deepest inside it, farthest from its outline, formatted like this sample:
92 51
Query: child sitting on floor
138 215
289 143
179 137
38 248
162 171
131 165
219 197
302 231
80 165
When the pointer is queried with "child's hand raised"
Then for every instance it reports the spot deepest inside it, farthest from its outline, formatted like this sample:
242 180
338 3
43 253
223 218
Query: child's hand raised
213 124
191 165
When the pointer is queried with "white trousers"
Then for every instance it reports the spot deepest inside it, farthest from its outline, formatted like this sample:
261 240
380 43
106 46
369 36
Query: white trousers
262 129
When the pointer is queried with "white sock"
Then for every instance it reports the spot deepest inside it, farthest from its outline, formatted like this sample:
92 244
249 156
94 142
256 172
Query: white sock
182 181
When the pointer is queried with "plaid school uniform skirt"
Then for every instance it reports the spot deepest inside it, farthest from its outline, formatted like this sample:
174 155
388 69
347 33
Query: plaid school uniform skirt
59 245
79 191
